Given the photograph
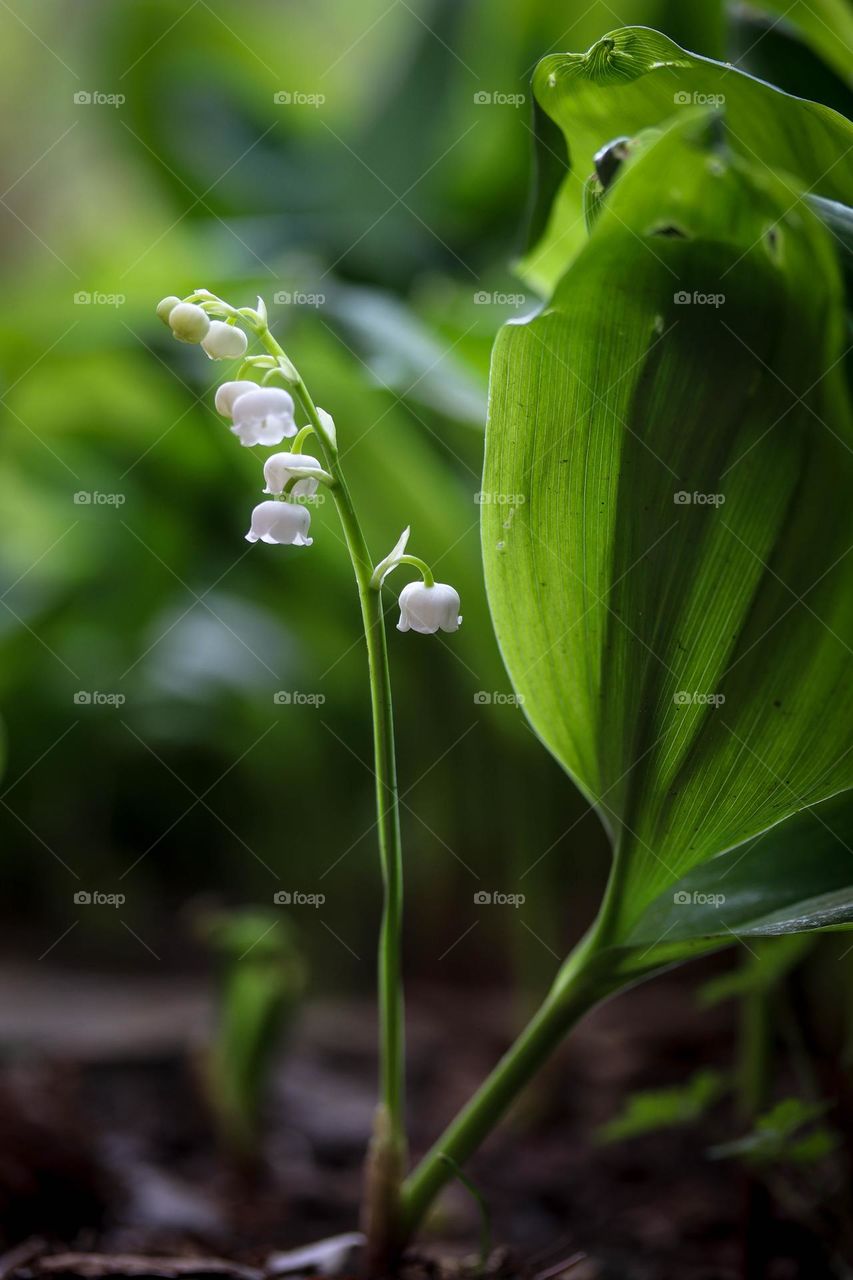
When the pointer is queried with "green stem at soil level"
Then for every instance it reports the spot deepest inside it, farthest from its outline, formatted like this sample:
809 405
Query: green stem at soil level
583 980
391 1014
568 1000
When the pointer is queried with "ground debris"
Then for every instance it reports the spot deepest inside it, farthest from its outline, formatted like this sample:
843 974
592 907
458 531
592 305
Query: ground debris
95 1266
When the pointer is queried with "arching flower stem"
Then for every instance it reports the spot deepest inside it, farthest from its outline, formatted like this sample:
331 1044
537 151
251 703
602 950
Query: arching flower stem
299 439
382 571
307 473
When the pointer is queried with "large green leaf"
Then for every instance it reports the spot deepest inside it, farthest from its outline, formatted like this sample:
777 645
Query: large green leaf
825 25
838 218
796 877
687 661
774 49
634 79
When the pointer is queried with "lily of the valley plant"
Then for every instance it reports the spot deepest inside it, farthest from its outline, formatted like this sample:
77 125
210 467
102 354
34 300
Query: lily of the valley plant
673 597
262 405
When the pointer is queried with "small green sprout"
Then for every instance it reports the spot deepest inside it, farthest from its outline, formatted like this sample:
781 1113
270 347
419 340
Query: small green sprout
260 980
790 1133
654 1109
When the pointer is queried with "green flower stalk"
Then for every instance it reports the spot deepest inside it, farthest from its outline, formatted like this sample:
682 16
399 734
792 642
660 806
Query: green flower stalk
262 403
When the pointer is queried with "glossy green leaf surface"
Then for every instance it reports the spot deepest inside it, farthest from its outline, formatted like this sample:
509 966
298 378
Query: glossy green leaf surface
773 49
825 25
635 79
794 878
667 551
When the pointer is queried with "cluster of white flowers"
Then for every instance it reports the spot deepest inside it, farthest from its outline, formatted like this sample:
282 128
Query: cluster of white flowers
265 415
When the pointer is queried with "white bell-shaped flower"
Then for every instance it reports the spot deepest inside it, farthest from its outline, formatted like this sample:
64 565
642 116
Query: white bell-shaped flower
280 522
264 416
228 393
224 341
188 322
429 609
279 469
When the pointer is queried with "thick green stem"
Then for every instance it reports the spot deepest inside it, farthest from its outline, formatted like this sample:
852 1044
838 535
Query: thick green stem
581 982
754 1077
575 991
755 1051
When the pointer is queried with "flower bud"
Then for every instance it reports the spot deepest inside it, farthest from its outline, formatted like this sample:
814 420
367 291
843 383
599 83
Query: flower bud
264 416
429 609
224 341
228 393
166 307
188 322
280 522
279 468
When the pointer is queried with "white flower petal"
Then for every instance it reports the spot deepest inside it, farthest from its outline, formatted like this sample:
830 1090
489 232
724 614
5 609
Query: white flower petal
224 341
279 468
228 393
284 523
263 416
429 609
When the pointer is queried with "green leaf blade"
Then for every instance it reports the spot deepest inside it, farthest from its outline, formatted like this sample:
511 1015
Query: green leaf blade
687 662
635 79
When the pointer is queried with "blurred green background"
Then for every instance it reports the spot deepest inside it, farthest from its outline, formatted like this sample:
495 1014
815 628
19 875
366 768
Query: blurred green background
365 167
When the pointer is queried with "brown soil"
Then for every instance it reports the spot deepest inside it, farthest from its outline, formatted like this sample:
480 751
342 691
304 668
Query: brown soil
106 1148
